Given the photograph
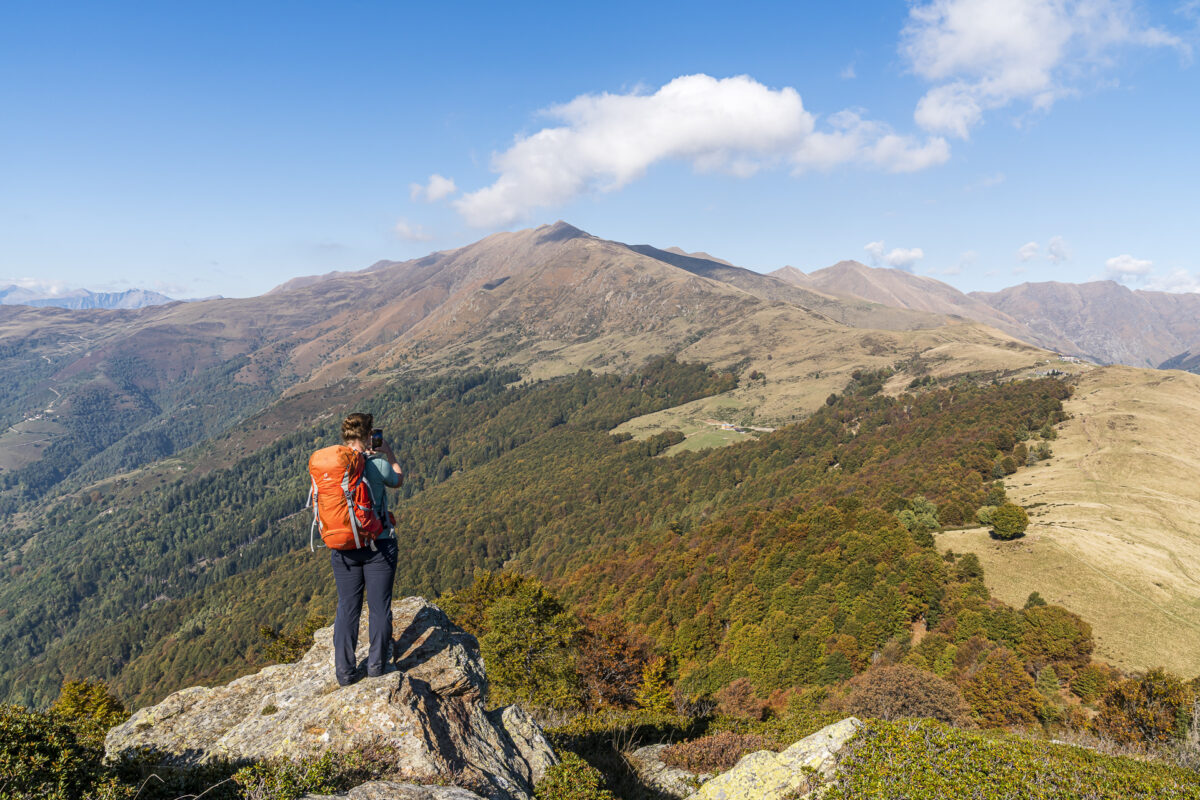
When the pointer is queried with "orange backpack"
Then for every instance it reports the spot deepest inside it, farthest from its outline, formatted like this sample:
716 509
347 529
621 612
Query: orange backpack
341 500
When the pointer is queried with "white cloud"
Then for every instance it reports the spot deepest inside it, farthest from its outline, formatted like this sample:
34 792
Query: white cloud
1124 267
985 54
848 72
851 138
1177 281
900 258
1028 251
410 232
436 189
732 125
1057 250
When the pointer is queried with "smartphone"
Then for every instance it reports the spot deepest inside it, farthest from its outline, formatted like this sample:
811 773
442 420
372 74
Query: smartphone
377 438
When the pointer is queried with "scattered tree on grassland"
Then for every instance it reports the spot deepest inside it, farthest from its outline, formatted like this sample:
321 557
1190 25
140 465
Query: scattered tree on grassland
1009 521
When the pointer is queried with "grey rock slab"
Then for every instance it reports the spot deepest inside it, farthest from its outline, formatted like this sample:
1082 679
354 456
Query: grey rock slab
655 773
427 710
390 790
772 776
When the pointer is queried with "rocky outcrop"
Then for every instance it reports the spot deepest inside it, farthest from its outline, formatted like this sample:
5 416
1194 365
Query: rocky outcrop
656 774
389 790
427 712
797 770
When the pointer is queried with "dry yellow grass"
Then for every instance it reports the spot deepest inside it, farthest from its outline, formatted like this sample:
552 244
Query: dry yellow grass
805 360
1115 519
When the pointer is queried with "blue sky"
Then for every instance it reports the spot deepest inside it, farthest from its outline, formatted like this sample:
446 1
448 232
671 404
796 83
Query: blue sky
223 148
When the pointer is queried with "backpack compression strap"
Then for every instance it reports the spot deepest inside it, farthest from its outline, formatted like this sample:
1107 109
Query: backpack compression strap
316 523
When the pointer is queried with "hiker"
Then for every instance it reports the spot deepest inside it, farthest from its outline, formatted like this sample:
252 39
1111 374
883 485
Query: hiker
371 567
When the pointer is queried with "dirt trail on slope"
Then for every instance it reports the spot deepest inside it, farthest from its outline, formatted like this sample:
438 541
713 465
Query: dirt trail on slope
1115 519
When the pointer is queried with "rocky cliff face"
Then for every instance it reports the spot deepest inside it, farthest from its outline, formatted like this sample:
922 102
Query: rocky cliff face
428 710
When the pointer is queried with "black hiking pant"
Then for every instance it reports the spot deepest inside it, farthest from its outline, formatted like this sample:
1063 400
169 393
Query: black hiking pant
355 571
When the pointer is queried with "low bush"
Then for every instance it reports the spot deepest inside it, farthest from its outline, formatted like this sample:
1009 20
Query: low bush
573 779
927 760
895 692
716 753
48 758
290 780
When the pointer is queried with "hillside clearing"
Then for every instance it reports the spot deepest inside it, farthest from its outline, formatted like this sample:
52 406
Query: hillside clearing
1115 519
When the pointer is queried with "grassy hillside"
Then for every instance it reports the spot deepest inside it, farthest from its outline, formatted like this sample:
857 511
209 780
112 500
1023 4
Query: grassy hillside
1116 519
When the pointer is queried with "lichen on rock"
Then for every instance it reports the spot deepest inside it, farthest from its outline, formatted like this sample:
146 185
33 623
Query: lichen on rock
428 709
772 776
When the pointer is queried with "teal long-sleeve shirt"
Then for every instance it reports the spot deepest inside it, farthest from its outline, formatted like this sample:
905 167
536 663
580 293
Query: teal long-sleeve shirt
380 475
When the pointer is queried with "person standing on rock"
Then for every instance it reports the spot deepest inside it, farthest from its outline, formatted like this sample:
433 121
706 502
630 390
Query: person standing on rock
372 568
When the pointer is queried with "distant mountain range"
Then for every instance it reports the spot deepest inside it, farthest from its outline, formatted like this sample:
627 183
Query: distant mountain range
13 295
1101 321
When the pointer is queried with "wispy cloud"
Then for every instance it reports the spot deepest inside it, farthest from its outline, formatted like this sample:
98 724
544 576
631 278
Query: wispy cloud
437 188
42 286
984 55
1057 250
410 232
1178 281
733 125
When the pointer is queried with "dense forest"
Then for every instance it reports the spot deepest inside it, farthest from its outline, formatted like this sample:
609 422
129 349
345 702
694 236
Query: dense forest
789 550
94 578
755 591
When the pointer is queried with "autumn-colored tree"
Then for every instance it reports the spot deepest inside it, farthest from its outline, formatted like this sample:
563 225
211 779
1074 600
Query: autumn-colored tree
89 707
1092 681
610 664
1001 692
739 700
1054 634
1154 707
654 693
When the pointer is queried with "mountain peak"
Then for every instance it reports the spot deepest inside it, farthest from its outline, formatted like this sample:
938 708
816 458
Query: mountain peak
558 232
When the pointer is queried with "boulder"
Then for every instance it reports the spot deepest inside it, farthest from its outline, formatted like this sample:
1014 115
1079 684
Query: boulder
771 776
428 711
656 774
389 790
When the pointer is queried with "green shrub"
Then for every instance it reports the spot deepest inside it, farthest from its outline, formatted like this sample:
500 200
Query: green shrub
290 780
573 779
1009 521
90 708
929 761
286 648
44 757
